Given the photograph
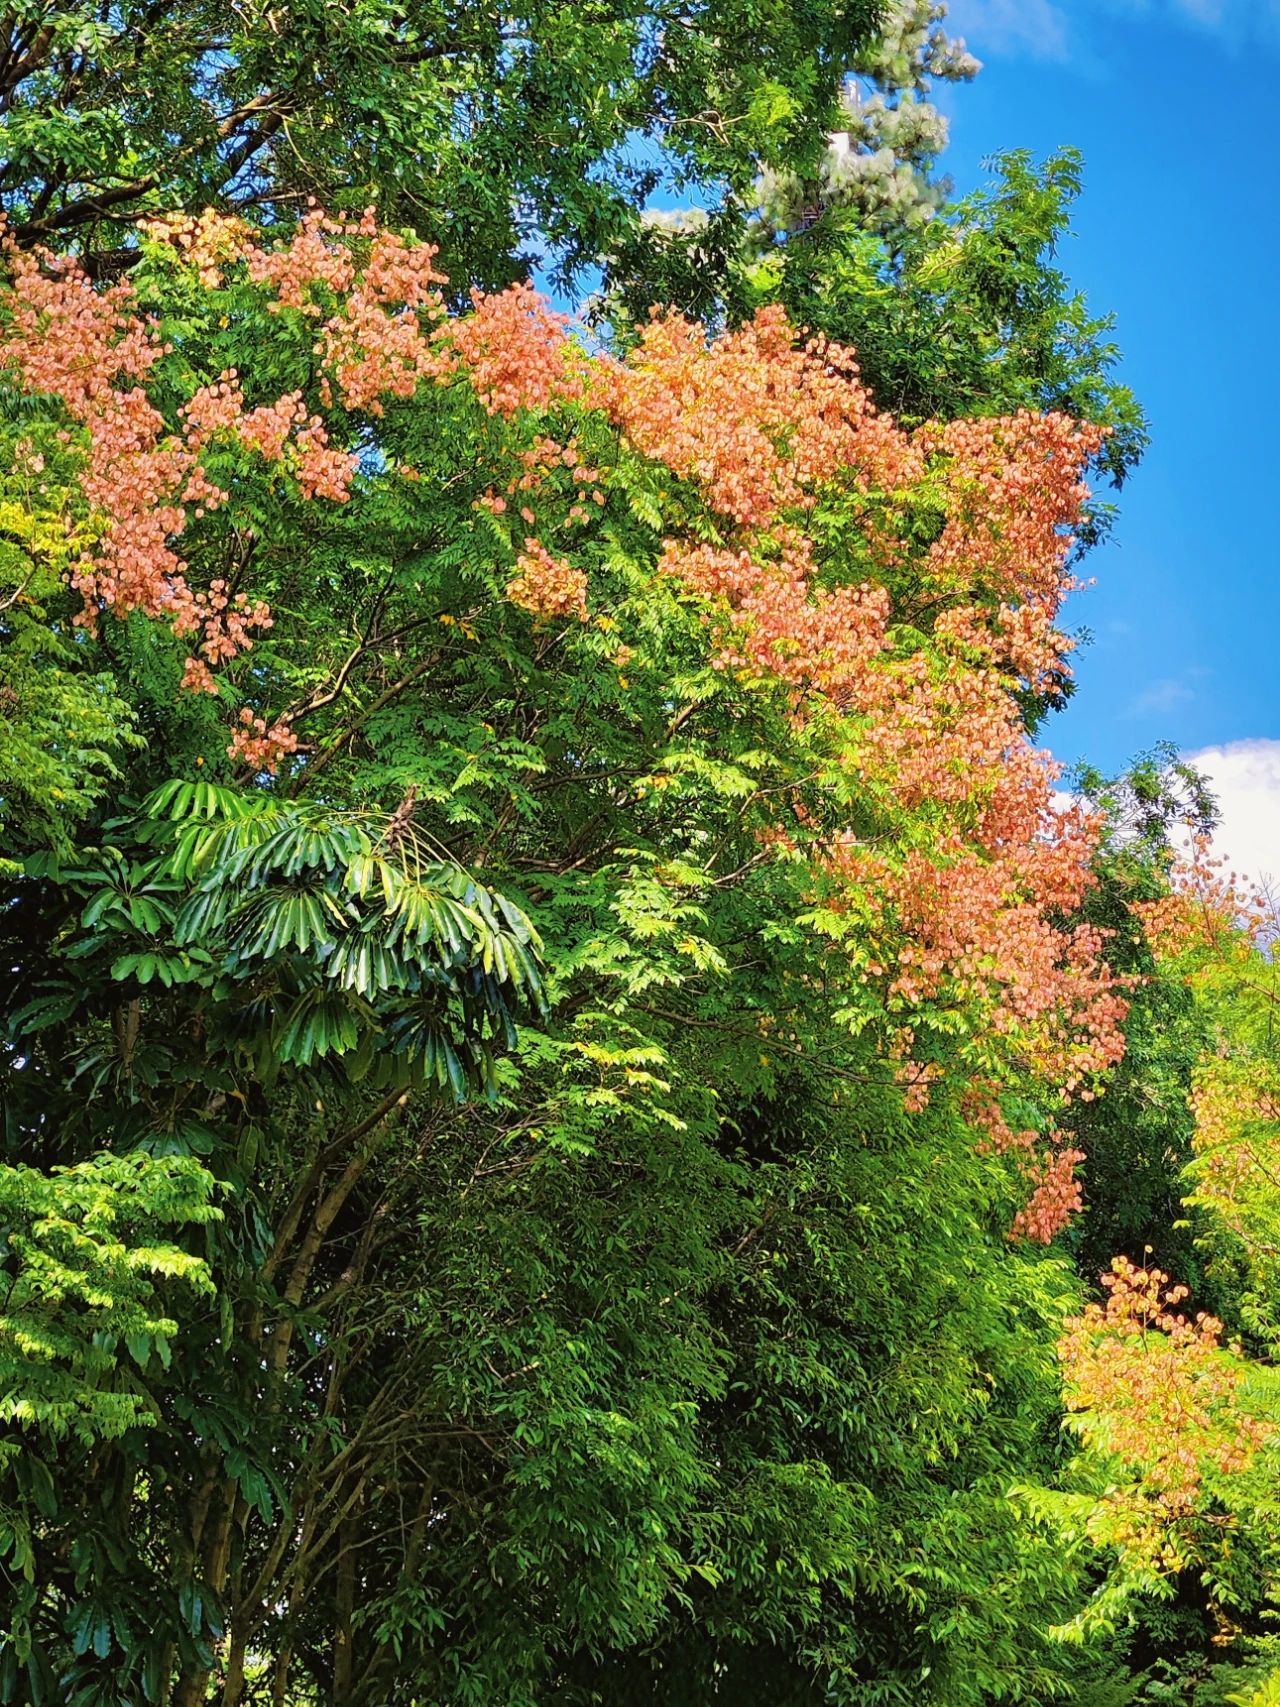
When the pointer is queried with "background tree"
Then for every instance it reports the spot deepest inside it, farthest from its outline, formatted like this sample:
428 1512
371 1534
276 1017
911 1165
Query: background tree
1179 1420
494 133
879 166
1138 1137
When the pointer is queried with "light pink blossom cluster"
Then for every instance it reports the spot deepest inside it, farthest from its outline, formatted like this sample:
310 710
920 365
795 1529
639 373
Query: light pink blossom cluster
283 431
547 586
259 746
514 351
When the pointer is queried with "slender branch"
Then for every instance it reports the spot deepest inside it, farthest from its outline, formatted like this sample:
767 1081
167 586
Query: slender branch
298 1202
311 771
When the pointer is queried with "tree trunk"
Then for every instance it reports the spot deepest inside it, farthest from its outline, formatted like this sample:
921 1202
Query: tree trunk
233 1688
344 1606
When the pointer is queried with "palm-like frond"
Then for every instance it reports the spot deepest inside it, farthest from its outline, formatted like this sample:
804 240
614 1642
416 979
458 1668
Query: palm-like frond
318 938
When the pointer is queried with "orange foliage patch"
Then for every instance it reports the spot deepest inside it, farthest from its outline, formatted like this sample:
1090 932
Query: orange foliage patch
1158 1392
769 431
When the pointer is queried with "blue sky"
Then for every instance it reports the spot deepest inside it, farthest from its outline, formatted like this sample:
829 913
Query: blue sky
1177 233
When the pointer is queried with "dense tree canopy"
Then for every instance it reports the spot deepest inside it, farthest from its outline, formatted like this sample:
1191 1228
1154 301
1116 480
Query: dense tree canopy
495 131
725 713
553 1011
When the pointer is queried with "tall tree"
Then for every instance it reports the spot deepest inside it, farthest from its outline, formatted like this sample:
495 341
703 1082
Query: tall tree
489 130
375 1331
440 630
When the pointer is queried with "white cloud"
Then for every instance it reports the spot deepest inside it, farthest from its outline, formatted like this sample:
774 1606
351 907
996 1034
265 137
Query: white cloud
1245 777
1160 696
1034 27
1059 29
1238 20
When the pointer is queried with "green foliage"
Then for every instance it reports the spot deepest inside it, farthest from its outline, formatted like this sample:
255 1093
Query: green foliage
64 725
292 935
62 733
410 1303
971 315
88 1325
874 1416
218 942
491 133
85 1289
